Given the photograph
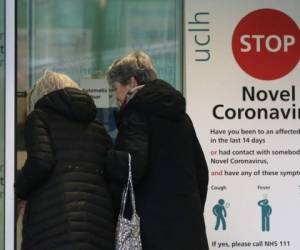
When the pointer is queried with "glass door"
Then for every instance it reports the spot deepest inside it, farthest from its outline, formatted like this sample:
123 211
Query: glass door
82 38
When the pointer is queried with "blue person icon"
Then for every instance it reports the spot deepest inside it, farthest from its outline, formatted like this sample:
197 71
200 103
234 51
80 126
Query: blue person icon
266 211
220 212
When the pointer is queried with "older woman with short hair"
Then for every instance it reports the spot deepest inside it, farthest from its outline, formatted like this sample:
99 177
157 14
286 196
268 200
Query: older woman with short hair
169 169
68 204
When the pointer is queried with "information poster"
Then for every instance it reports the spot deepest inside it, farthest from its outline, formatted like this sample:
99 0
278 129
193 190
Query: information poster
243 95
98 90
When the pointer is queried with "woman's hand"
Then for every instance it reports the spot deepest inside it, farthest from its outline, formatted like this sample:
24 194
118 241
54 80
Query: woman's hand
21 204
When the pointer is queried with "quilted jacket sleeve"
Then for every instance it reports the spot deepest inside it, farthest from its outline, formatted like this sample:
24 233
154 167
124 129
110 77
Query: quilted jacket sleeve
40 158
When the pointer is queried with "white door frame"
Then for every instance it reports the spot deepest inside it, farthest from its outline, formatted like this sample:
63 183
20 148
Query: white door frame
10 81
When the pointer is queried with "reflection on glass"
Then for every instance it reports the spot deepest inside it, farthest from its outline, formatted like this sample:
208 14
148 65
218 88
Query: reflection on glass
81 38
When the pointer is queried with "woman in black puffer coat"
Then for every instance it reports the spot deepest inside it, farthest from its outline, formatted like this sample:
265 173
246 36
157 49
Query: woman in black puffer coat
68 204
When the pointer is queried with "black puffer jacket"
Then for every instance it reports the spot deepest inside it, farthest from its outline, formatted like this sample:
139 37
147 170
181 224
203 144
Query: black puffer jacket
169 169
68 204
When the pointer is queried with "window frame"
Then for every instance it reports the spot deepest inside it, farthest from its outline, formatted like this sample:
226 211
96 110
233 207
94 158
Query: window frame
10 113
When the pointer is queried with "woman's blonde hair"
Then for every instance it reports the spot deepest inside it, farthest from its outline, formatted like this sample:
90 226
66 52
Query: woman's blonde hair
137 64
48 83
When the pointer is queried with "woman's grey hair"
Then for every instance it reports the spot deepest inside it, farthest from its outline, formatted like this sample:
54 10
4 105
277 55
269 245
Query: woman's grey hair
137 64
48 83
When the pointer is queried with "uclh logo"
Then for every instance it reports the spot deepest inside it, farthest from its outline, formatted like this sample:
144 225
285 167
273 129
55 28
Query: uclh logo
198 27
265 44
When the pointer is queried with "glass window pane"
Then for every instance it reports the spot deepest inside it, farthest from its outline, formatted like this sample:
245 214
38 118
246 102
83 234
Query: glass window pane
82 38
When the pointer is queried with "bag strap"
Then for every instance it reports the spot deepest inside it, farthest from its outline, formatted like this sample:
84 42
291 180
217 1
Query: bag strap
128 188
